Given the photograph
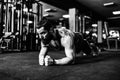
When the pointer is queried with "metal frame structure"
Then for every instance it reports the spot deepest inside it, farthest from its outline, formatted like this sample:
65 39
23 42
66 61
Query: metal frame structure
15 18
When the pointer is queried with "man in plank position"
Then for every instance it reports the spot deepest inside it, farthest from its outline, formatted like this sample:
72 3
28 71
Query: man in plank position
72 42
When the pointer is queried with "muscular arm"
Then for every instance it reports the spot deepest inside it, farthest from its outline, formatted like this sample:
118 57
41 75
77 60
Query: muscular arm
69 52
43 52
66 60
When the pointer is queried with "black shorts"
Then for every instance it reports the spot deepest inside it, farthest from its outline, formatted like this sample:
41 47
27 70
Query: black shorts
81 44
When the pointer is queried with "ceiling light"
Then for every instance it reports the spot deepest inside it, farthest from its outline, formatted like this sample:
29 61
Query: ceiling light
47 15
29 22
117 17
116 12
94 25
66 16
47 10
109 4
87 17
50 10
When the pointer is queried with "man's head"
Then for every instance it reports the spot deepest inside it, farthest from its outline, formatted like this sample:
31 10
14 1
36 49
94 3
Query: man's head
43 27
44 23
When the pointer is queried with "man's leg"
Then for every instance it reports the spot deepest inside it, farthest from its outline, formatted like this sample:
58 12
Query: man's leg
86 47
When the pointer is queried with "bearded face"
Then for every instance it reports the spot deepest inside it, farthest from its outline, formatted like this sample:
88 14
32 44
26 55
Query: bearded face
42 32
43 27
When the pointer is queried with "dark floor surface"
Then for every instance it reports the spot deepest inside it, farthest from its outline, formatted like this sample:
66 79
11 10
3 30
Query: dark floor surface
24 66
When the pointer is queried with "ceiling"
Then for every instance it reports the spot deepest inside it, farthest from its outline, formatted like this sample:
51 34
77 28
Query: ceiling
94 8
98 6
54 14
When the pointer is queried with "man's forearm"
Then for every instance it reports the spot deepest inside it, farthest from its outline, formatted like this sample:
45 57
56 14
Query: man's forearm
63 61
43 51
42 54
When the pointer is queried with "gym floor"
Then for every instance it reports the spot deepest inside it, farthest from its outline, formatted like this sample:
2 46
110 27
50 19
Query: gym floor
24 66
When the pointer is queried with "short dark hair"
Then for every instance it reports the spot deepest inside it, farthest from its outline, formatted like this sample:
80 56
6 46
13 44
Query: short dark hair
44 23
